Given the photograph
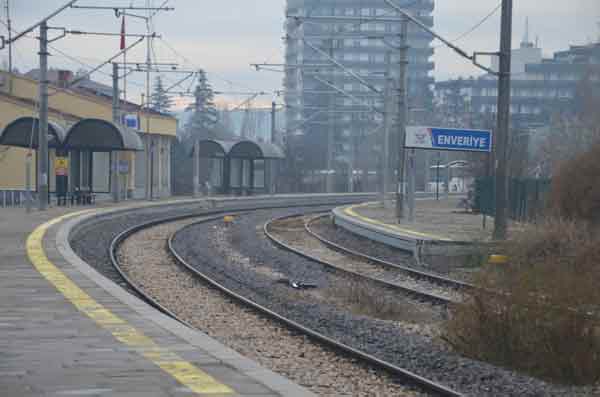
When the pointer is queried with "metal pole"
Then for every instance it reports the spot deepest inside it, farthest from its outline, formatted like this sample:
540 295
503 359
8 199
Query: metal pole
9 27
402 115
411 185
273 120
115 116
196 170
42 176
151 169
150 157
385 145
503 129
437 179
28 181
329 181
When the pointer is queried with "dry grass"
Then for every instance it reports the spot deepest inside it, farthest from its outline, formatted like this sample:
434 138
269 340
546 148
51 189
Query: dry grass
575 189
547 321
361 298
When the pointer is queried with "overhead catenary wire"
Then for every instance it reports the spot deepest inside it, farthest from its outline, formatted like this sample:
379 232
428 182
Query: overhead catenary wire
476 26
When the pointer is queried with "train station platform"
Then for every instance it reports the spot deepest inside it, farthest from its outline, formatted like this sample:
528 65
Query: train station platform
66 330
441 227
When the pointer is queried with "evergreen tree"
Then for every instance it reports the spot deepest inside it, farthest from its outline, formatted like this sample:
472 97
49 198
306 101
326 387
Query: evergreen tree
160 101
204 117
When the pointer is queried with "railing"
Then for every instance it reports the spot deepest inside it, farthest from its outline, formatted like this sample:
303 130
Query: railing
527 197
13 198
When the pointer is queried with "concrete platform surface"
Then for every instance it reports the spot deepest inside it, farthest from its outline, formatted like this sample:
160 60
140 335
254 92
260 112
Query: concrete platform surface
441 220
65 330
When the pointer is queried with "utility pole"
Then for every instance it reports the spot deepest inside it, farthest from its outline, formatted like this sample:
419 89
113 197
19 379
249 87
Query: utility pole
42 175
273 120
385 144
437 177
329 181
412 169
116 119
9 27
150 157
503 129
402 116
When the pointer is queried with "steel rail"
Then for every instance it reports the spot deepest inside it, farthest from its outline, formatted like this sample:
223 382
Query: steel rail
419 274
212 216
209 215
420 295
410 376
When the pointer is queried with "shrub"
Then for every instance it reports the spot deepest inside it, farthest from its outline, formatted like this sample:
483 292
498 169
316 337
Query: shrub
543 316
575 189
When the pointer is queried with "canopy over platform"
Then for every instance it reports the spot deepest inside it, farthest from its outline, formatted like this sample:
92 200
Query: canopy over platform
87 134
102 135
19 133
212 148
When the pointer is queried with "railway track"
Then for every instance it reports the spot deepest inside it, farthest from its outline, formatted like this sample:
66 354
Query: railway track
427 385
409 271
398 278
97 240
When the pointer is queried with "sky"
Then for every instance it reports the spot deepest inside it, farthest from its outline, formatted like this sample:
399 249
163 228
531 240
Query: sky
224 37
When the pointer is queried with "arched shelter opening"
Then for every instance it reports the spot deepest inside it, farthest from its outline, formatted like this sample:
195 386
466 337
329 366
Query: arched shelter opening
237 167
24 133
94 147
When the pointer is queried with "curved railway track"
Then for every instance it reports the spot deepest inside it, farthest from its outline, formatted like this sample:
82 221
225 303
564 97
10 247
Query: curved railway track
423 383
419 294
91 241
409 271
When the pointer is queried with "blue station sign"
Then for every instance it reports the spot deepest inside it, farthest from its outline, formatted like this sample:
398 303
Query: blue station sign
436 138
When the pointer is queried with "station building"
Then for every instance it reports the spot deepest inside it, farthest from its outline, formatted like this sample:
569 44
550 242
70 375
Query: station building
84 139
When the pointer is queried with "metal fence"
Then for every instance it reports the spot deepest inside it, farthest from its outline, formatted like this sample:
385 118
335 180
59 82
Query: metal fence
527 197
12 198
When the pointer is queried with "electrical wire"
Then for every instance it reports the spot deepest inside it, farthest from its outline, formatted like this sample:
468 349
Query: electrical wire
474 28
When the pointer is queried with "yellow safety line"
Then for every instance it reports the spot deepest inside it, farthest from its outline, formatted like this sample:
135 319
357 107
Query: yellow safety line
187 374
351 211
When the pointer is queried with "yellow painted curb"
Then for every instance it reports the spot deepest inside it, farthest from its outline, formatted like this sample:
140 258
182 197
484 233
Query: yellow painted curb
351 212
186 373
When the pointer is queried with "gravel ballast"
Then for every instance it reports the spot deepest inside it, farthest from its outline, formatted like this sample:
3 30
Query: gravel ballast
203 247
144 259
292 232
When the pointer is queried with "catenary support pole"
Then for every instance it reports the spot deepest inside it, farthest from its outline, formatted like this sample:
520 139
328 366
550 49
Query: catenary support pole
196 165
437 177
273 121
329 176
402 116
385 144
42 175
503 128
116 119
28 202
412 170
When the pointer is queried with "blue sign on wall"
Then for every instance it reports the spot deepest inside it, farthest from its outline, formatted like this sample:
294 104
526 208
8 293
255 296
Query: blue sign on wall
435 138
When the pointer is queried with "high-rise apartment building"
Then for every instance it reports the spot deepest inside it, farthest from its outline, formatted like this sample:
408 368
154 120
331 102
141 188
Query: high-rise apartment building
339 131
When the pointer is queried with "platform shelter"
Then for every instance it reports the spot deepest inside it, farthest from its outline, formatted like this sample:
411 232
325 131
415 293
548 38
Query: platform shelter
83 159
242 167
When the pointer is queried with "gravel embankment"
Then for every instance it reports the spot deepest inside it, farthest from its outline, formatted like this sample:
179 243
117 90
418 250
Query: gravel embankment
292 232
324 372
91 240
243 260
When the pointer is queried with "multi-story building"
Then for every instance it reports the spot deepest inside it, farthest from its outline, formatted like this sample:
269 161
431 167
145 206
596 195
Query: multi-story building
544 88
336 131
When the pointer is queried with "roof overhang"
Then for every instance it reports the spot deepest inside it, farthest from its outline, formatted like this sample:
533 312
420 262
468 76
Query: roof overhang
24 132
102 135
211 148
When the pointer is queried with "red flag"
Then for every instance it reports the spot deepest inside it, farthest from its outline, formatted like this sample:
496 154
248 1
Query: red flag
123 33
